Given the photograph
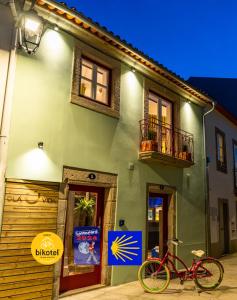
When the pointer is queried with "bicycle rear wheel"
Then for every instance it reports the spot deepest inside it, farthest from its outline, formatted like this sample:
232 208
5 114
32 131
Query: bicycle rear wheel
154 277
209 274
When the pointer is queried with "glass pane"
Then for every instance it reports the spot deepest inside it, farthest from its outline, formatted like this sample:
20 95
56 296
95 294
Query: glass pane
154 212
235 156
102 94
86 88
81 211
102 76
220 148
166 112
153 97
220 140
221 155
153 109
87 69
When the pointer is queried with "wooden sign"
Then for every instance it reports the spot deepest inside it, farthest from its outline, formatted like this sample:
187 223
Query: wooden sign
29 209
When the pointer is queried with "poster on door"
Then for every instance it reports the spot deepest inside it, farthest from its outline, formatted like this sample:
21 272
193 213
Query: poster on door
86 244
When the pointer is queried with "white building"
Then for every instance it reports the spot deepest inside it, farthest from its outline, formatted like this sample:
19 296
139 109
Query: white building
221 151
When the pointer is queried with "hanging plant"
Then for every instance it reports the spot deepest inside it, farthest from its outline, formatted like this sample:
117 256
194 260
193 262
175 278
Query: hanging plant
85 206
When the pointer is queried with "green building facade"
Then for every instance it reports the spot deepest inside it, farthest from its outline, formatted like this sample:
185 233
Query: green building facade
81 139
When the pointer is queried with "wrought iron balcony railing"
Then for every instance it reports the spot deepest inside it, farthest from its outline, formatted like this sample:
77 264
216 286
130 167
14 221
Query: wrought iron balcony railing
162 138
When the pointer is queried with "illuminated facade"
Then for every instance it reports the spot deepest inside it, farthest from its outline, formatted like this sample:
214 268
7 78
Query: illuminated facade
97 124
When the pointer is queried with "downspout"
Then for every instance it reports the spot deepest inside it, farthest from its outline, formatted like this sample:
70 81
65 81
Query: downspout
13 9
7 108
206 183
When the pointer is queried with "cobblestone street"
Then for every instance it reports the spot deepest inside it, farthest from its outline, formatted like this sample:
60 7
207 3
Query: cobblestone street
132 291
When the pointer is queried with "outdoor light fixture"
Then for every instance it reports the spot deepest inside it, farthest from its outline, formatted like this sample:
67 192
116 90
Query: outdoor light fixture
41 145
133 70
56 28
31 29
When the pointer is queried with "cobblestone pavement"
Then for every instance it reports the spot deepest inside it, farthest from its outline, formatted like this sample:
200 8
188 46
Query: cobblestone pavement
133 290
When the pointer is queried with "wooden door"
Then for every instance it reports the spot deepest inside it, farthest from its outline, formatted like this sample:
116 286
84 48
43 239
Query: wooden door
90 213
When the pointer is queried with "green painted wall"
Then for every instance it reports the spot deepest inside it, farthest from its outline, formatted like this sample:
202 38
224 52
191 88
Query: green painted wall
78 137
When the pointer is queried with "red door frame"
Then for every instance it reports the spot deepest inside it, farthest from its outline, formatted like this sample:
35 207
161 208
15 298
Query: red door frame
82 280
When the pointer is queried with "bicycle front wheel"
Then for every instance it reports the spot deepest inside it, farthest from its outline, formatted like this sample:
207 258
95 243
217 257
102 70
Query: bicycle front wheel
209 274
154 277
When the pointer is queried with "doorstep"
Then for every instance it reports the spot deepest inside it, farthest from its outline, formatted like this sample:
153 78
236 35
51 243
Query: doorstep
82 290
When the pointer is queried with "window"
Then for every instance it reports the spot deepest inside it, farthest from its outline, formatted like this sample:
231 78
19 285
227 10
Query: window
160 109
221 164
94 81
235 165
160 113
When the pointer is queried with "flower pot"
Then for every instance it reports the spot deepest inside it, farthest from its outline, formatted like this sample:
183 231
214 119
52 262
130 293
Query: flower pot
151 145
185 155
143 146
189 156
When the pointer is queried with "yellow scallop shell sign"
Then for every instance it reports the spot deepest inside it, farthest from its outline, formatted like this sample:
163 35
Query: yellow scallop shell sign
47 248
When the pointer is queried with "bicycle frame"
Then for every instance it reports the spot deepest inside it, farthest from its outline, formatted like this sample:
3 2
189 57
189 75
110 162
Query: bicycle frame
188 273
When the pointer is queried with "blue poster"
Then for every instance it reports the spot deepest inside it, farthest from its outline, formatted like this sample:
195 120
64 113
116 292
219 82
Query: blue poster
86 243
125 248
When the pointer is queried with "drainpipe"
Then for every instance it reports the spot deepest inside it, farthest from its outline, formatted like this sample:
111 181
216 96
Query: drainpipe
206 183
7 108
13 9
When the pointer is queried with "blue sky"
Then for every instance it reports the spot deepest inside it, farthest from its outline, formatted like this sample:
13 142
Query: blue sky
190 37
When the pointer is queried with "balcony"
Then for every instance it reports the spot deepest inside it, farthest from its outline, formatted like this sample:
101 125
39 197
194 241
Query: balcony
160 142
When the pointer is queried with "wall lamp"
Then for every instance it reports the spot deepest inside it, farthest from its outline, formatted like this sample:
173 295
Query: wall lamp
41 145
31 28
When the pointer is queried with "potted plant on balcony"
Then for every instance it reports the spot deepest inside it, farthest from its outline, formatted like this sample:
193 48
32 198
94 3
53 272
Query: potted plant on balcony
84 209
185 154
150 144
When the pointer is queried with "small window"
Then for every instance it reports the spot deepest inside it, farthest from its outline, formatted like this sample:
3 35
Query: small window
94 82
220 151
235 166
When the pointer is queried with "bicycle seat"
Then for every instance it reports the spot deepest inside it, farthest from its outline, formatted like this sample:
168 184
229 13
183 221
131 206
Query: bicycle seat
198 253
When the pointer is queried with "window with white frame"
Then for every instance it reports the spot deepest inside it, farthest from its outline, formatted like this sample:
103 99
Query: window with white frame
221 162
94 81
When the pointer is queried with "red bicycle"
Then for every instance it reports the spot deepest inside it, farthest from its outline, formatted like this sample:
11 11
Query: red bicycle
154 274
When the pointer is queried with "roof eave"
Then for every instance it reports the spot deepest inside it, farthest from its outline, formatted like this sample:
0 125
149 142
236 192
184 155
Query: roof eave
88 25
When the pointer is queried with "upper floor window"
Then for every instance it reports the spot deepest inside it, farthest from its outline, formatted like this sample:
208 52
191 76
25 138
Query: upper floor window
235 164
221 163
160 109
94 81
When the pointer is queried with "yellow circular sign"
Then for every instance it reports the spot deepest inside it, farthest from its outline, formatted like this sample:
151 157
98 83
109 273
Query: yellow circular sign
47 248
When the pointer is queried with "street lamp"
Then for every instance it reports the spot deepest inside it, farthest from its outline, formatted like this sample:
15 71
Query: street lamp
30 31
